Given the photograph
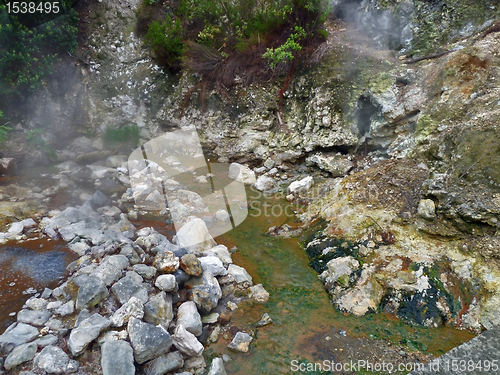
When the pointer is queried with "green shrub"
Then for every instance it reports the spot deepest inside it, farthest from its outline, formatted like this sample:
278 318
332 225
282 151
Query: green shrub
126 135
165 40
285 52
31 43
4 130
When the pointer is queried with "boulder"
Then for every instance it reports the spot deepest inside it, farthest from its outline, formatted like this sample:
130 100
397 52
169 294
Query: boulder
259 294
52 359
337 165
86 332
132 308
158 311
300 186
148 340
128 287
164 364
33 317
189 317
8 166
166 262
117 358
19 334
194 236
213 265
191 265
264 183
186 342
166 283
240 274
20 354
90 292
217 367
241 173
241 342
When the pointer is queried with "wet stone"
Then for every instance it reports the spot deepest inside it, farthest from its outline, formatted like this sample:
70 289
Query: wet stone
22 353
46 340
158 311
90 292
128 287
133 308
166 262
21 333
86 332
241 342
191 265
164 364
145 271
239 274
33 317
259 294
148 341
52 359
217 367
189 317
117 358
166 283
186 342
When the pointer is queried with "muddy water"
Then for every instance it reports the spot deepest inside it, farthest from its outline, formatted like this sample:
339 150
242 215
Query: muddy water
306 326
34 264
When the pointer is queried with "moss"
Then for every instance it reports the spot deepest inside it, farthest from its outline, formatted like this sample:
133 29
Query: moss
425 126
381 83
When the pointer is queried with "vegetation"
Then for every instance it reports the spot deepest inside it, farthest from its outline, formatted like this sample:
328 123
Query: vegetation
36 142
222 39
4 130
122 136
30 43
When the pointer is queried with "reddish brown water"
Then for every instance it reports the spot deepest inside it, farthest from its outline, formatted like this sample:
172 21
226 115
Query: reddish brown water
35 264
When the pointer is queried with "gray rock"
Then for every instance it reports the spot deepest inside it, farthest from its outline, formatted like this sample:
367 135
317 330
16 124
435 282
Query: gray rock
264 183
164 364
86 332
67 309
205 291
36 303
107 273
189 317
145 271
133 308
265 320
186 342
259 294
117 358
91 291
240 274
427 209
20 354
221 252
127 287
213 265
217 367
166 283
73 366
339 267
241 173
33 317
46 340
19 334
52 359
84 314
301 186
194 236
158 311
241 342
148 340
337 165
181 277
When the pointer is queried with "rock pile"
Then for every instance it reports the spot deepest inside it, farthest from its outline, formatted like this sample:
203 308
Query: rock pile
134 301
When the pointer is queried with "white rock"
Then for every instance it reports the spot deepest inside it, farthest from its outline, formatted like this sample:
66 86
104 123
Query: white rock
264 183
301 186
194 236
241 173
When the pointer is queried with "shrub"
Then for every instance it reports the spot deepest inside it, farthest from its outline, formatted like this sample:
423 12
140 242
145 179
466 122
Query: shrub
125 135
31 43
4 130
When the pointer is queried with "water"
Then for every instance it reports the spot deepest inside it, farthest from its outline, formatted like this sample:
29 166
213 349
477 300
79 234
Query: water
306 325
27 265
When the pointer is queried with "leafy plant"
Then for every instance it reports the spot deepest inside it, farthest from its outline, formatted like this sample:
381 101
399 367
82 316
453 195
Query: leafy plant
4 130
165 41
125 135
284 52
35 140
30 44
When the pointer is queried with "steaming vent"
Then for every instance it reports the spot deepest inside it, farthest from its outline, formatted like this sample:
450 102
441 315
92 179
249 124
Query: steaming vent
366 113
